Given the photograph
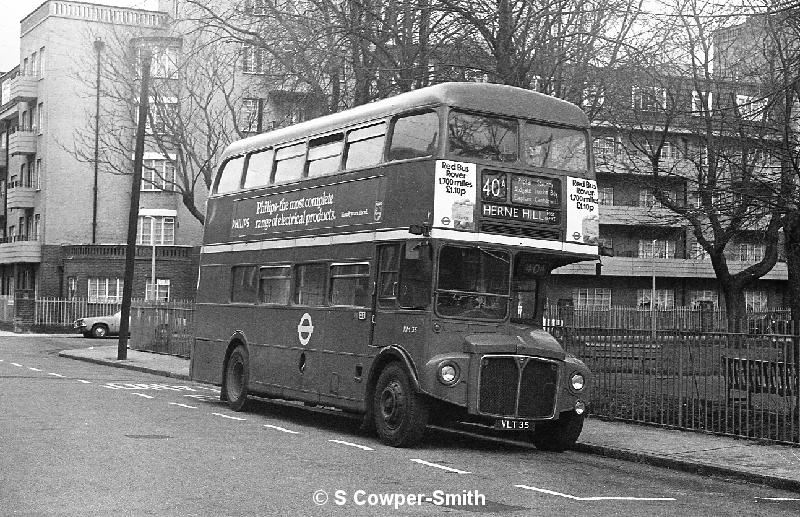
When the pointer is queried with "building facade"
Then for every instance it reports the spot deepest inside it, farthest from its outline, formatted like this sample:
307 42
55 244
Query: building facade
66 216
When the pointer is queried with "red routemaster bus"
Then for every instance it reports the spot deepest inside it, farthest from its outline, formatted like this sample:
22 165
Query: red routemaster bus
392 260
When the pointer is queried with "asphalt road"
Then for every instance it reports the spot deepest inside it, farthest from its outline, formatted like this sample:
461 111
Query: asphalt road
83 439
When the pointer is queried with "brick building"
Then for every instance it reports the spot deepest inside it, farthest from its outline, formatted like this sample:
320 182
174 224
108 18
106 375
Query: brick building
59 238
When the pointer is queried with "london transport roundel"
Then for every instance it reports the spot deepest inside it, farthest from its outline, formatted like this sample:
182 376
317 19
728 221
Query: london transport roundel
304 329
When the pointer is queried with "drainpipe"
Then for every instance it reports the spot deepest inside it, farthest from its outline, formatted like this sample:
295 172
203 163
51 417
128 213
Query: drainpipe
98 47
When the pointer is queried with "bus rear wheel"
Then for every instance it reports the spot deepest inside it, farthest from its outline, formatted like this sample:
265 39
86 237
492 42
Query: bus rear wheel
401 414
558 435
236 379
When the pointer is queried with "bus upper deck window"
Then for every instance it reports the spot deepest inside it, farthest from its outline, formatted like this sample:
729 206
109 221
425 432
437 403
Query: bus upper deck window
365 146
289 162
325 155
554 147
259 167
480 136
230 177
415 136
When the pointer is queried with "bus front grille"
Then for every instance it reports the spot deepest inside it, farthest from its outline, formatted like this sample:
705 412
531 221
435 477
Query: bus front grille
518 231
517 386
538 389
498 386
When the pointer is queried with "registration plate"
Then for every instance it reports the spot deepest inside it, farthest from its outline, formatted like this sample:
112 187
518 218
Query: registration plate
509 424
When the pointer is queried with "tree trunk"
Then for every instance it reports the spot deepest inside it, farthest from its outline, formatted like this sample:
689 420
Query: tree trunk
734 306
791 233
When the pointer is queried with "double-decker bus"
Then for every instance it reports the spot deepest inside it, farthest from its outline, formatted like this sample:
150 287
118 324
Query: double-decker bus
392 259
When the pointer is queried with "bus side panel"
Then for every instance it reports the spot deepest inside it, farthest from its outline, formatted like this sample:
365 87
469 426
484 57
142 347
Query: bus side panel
208 353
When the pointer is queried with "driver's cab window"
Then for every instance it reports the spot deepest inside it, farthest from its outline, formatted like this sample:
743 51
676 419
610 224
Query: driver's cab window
404 278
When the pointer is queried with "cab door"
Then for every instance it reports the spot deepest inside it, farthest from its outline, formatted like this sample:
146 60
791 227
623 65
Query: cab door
403 296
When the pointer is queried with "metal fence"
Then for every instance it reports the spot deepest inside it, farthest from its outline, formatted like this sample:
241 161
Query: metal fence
162 327
739 384
678 318
59 312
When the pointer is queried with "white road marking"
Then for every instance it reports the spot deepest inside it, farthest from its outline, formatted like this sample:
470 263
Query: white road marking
778 498
201 397
362 447
428 463
34 369
215 390
55 374
183 405
83 381
142 395
228 416
17 364
281 429
611 498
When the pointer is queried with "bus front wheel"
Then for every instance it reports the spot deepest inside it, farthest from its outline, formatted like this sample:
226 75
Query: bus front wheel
401 414
236 378
558 435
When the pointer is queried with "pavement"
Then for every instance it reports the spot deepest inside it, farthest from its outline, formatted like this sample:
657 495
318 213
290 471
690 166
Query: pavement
774 465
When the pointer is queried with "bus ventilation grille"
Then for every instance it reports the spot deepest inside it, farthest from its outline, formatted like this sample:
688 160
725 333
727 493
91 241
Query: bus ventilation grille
511 388
516 231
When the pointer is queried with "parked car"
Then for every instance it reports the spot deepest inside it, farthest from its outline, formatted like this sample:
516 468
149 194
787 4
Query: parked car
99 326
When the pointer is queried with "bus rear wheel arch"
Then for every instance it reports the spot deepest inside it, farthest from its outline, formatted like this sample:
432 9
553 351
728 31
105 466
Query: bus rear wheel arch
236 377
400 412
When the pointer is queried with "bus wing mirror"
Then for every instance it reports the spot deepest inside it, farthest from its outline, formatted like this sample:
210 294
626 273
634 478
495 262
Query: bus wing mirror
606 251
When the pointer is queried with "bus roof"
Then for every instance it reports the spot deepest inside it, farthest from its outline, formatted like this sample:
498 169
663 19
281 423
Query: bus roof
486 97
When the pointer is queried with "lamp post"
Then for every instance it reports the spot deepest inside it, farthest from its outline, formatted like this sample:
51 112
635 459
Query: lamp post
653 291
153 254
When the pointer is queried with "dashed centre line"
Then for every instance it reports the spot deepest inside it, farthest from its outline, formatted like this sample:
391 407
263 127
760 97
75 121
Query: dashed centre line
83 381
34 369
55 374
142 395
182 405
17 364
281 429
230 417
436 465
350 444
601 498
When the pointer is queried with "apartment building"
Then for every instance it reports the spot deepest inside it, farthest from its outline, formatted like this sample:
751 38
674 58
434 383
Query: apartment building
651 244
65 217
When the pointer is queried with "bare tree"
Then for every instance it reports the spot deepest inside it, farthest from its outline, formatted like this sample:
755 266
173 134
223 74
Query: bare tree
724 151
195 106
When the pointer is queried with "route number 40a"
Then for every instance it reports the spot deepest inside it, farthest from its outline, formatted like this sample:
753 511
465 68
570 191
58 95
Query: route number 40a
494 187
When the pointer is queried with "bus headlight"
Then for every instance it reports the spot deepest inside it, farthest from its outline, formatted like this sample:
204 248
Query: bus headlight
577 381
448 373
580 407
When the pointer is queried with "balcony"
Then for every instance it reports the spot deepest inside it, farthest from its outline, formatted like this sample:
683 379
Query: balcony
22 142
20 248
639 216
20 197
23 88
664 268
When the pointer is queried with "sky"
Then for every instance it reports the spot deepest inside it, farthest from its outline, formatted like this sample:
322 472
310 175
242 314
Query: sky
15 10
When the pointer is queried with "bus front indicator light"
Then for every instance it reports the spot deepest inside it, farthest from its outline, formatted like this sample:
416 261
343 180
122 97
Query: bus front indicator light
577 381
580 407
448 373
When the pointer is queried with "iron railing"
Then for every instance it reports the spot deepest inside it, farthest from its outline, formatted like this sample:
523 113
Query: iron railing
739 384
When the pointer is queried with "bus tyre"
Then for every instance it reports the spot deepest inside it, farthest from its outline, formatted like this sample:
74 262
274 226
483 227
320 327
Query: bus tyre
236 378
401 414
558 435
